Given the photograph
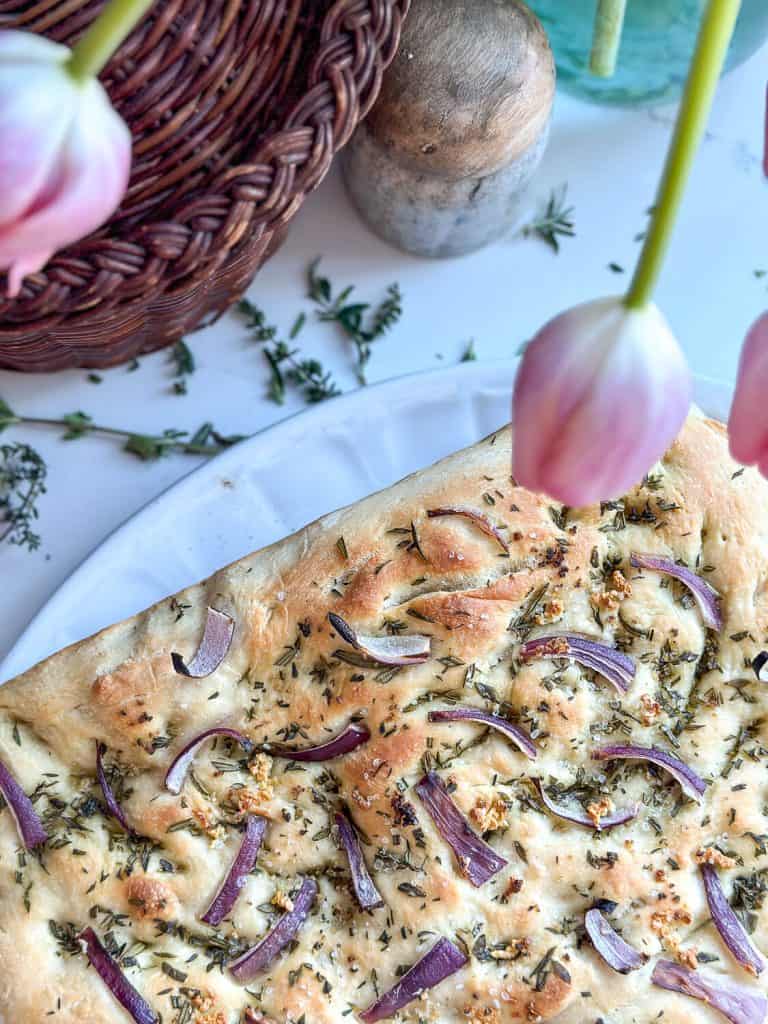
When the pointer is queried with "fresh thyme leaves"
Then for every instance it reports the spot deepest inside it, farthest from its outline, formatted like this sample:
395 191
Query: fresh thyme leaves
470 354
357 320
555 220
22 483
184 364
285 365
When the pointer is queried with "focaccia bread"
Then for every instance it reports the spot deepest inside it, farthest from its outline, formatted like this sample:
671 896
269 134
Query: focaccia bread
460 555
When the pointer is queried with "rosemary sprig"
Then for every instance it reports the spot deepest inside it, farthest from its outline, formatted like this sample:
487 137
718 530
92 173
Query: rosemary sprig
555 220
470 353
315 383
359 324
22 482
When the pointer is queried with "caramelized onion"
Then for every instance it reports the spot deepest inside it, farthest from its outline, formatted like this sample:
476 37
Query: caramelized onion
237 875
477 861
400 649
481 521
617 953
728 925
706 597
349 739
690 782
260 956
117 983
739 1004
110 800
615 666
442 960
368 896
580 817
465 713
213 649
28 824
176 774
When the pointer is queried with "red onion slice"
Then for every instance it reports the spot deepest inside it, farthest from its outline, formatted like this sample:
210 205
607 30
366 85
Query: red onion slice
615 666
176 774
368 896
28 824
351 737
759 666
727 923
580 817
237 875
706 597
465 713
477 861
739 1004
617 953
481 521
110 800
443 960
401 649
260 956
117 983
690 782
213 649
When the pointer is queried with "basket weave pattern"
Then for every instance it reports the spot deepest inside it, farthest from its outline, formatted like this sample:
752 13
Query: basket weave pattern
236 108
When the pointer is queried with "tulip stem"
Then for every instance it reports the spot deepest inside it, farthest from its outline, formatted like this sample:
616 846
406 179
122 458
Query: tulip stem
711 49
104 36
609 24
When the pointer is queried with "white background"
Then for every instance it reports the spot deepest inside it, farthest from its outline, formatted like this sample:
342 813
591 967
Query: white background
610 160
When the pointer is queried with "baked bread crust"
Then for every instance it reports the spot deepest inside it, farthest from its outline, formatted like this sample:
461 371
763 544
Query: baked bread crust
398 569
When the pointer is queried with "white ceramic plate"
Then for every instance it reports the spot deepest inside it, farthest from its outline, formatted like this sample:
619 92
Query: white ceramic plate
274 483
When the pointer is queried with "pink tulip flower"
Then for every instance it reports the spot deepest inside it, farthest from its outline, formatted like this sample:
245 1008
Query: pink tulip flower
748 423
601 393
65 155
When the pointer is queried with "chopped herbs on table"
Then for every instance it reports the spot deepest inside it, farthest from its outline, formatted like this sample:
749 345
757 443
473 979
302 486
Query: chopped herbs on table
22 482
184 364
555 220
285 364
361 323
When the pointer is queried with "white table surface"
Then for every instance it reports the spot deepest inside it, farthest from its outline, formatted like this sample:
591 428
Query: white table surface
610 159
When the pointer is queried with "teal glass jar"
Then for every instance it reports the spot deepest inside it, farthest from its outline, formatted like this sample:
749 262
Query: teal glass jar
656 46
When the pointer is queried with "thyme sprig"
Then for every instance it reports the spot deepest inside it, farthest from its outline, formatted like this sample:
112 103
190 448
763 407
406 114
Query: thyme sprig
22 483
360 324
184 364
555 220
309 375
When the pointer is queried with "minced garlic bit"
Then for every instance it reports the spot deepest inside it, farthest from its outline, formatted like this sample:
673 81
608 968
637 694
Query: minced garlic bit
665 924
617 588
248 801
650 709
282 900
711 855
260 768
550 611
598 810
489 814
203 816
205 1006
512 950
481 1014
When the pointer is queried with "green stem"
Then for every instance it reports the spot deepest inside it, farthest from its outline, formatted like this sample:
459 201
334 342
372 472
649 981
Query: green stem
606 39
711 49
104 36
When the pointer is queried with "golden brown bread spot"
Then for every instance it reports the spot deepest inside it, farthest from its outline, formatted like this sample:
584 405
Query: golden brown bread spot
150 898
130 700
481 1014
524 1005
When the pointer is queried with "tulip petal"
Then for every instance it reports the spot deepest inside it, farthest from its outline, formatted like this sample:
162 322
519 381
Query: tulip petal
601 393
748 422
82 191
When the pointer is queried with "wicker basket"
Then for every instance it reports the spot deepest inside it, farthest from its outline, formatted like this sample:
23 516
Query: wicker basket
236 109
